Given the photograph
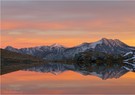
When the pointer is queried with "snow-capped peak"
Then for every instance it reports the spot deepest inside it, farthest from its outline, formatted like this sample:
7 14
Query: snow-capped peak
10 48
112 42
56 45
103 40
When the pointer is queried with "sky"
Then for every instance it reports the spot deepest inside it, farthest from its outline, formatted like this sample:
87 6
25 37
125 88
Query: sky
34 23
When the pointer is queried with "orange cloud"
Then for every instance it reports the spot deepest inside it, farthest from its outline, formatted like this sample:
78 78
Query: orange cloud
9 25
12 25
78 32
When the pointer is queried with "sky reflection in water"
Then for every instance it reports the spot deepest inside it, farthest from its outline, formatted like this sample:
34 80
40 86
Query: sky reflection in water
67 82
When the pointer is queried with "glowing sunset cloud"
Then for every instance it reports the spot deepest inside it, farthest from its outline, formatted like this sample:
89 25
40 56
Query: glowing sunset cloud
32 23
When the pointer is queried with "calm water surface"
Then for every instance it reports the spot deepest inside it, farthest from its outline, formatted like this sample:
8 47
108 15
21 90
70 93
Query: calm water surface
60 81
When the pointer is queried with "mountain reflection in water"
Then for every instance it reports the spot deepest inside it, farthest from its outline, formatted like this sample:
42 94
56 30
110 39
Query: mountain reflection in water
103 72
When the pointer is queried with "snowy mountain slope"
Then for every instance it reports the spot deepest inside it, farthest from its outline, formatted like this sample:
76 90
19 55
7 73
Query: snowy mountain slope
129 56
59 52
40 51
130 60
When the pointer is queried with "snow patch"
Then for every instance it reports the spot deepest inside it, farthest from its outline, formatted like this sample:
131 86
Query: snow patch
128 53
93 45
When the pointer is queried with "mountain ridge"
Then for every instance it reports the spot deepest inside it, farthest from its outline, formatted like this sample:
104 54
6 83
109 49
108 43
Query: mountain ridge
59 45
58 52
68 47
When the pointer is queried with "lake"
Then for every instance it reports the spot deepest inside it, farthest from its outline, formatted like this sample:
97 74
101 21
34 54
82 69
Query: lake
58 78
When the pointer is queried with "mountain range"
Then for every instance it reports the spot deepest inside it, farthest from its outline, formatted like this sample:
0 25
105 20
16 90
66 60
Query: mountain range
59 52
